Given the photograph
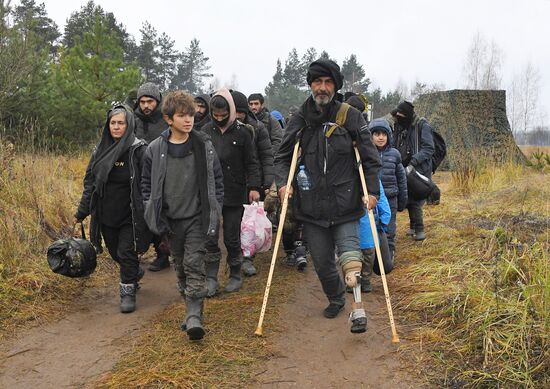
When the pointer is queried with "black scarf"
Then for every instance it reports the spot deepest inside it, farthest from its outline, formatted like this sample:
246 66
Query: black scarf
108 151
314 116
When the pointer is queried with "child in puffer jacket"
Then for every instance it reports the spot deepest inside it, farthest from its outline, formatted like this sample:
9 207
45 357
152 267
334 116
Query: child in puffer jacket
392 174
382 216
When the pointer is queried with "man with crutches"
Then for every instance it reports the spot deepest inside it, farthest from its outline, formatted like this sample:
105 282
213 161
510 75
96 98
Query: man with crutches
327 193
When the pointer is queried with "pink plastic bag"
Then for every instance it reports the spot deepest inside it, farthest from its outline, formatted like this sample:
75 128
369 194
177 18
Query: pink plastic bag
256 233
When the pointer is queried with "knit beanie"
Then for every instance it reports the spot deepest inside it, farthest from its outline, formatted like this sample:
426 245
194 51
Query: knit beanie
241 104
149 89
325 68
406 108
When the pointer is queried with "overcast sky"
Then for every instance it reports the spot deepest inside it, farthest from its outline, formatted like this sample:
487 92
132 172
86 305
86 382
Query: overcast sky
424 40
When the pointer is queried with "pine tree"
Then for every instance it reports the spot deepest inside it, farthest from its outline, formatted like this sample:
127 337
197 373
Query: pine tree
167 58
83 21
192 70
292 73
89 78
354 76
31 18
148 53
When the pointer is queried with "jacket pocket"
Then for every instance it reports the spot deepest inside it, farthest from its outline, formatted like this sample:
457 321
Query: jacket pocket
347 197
308 202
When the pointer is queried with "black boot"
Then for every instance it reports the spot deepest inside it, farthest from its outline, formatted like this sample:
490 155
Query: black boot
366 273
127 298
235 282
212 269
140 275
301 261
417 222
248 267
193 318
160 262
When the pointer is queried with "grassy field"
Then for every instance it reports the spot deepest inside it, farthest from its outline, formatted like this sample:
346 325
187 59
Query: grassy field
528 150
476 293
38 196
472 301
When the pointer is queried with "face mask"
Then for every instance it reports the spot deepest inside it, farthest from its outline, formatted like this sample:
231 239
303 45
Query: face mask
199 116
221 123
405 122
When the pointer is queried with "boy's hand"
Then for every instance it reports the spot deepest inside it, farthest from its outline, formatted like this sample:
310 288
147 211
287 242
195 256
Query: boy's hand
253 196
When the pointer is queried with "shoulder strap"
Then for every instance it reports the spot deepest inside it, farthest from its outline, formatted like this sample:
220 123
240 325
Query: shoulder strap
341 117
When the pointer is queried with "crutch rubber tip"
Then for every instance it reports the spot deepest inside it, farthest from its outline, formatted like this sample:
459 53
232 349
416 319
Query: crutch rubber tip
259 332
395 339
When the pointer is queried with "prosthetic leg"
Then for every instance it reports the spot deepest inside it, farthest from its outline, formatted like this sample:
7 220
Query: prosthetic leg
358 316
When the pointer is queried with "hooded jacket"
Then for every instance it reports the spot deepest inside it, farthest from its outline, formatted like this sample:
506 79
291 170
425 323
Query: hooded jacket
234 146
273 128
149 127
99 166
209 176
415 143
198 124
335 196
264 151
382 216
392 174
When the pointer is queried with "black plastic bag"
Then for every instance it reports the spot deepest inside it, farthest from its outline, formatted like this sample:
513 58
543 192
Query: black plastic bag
387 258
419 186
72 257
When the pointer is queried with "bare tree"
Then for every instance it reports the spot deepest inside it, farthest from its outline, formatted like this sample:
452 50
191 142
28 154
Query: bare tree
530 89
513 105
483 64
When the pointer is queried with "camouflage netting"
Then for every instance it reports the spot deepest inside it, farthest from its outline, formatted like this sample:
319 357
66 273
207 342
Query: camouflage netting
473 123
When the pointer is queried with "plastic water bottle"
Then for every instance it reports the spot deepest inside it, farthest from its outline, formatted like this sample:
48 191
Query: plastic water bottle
303 179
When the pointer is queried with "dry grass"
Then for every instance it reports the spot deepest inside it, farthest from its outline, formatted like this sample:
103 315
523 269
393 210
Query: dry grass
228 355
528 150
38 196
476 293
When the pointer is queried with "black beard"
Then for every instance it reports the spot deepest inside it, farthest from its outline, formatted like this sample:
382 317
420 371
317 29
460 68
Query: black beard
198 116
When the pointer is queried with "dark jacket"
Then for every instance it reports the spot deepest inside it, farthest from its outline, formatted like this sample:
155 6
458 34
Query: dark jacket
335 196
415 143
206 118
149 127
393 174
273 128
240 166
90 201
264 151
209 176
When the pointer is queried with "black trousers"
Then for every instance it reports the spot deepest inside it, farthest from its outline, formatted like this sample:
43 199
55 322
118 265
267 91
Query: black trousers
231 217
120 244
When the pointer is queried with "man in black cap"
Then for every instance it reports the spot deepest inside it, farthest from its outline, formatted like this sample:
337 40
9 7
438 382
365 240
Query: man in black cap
328 198
149 125
414 140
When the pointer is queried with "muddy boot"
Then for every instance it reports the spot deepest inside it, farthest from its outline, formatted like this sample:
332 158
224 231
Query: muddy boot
290 259
417 222
127 298
301 261
212 269
193 318
160 262
248 267
419 235
235 282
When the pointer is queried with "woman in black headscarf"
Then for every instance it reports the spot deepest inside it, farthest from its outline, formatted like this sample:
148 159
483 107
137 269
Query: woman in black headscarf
112 196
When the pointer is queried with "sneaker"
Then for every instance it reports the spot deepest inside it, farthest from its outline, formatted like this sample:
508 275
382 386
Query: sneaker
290 260
160 262
332 310
419 235
248 268
358 324
301 263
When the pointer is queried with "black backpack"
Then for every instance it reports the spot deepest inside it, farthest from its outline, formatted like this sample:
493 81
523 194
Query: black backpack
440 147
72 257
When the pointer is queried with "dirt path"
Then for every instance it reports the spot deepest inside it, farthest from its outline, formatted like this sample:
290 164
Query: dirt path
316 352
80 347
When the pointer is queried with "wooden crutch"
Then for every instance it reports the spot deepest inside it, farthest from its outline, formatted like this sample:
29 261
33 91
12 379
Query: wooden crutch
259 329
395 337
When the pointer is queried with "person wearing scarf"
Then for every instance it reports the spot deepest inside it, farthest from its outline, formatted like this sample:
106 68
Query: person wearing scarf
112 196
331 205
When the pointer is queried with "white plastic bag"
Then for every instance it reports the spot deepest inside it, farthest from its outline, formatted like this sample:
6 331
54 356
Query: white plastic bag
256 233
